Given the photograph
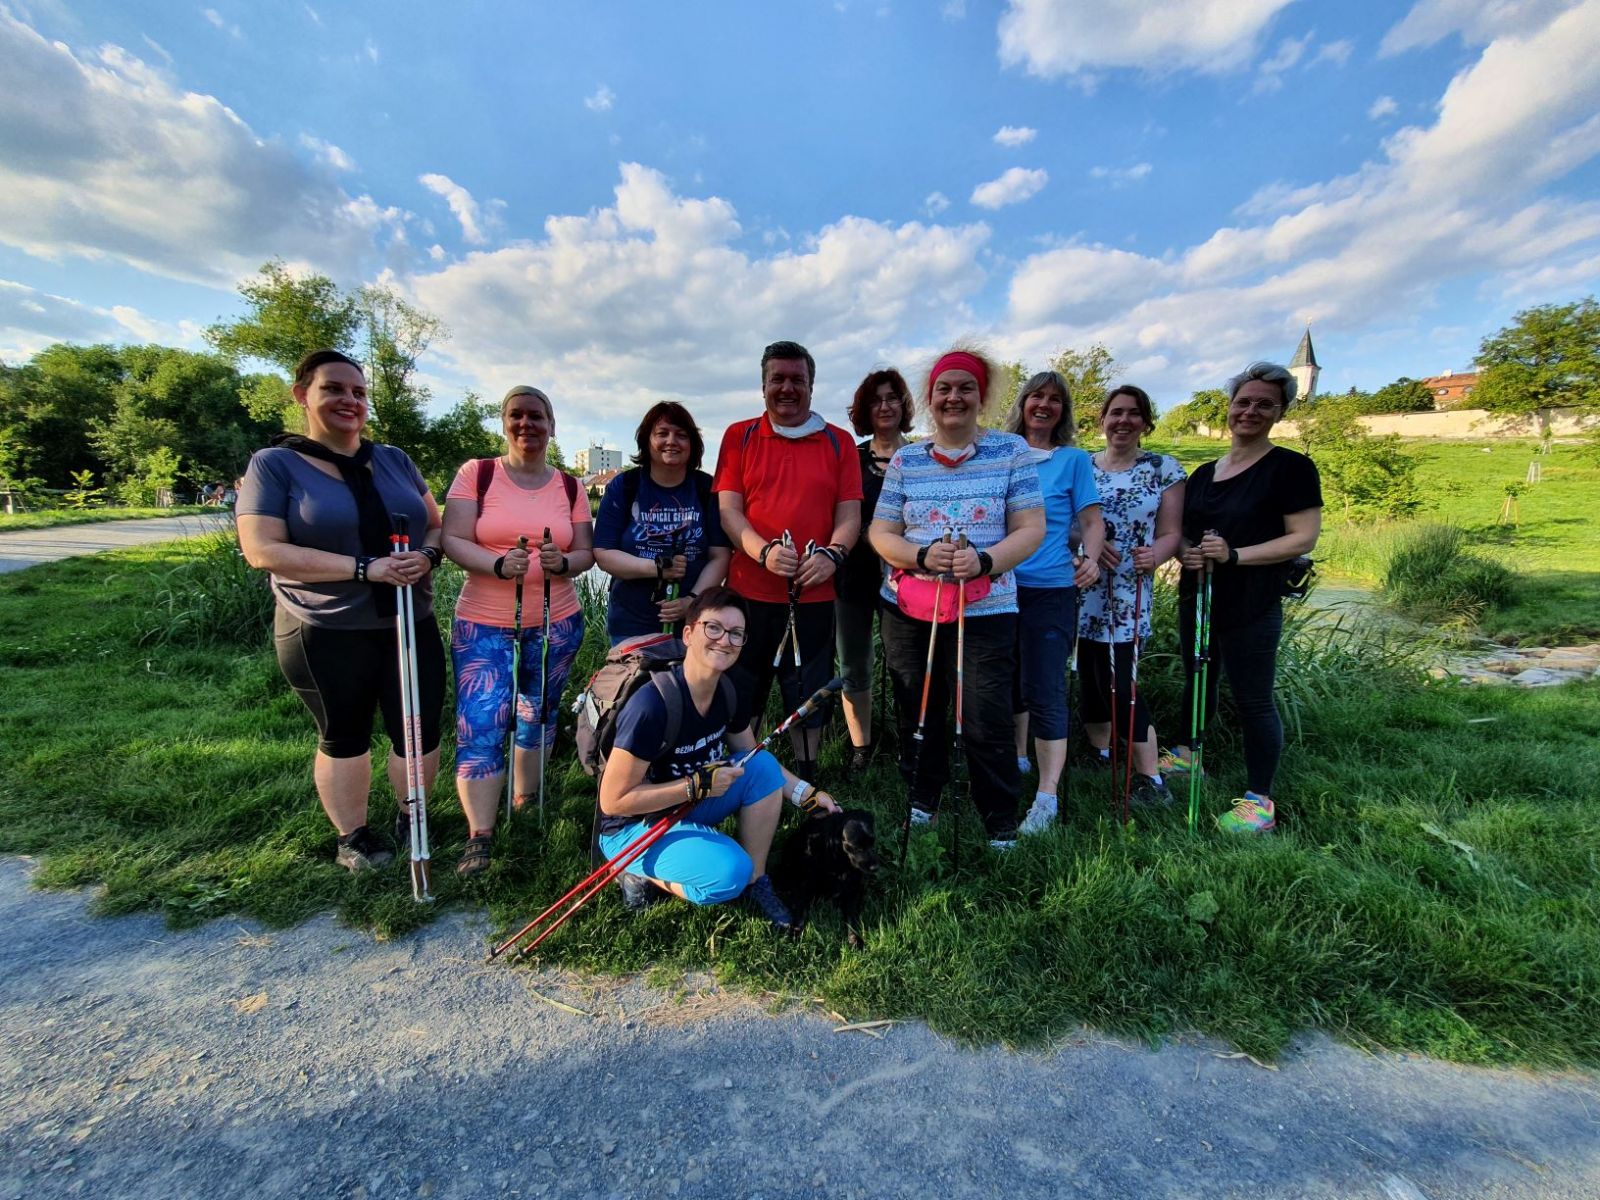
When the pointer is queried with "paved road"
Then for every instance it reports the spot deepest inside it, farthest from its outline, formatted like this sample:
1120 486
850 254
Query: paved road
28 547
314 1062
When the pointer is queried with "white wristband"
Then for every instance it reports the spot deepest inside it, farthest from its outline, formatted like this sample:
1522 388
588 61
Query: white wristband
802 789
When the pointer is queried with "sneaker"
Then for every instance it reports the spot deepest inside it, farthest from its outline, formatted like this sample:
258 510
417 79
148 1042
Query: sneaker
1042 815
920 815
1147 793
1023 765
361 850
1182 764
1253 814
638 893
402 831
860 759
764 897
1091 758
1003 840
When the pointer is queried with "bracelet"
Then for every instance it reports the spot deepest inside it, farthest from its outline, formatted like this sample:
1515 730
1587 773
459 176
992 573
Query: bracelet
689 788
767 549
566 565
498 563
1233 557
834 554
801 791
431 553
363 563
922 558
985 563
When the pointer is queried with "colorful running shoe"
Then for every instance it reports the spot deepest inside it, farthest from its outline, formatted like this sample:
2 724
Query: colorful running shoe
1253 814
1171 761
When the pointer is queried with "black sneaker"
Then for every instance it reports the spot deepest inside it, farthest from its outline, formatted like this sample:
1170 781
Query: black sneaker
402 831
361 850
860 759
1147 793
764 897
638 893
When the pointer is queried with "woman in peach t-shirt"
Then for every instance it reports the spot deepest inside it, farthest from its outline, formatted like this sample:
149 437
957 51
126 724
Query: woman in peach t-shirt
524 496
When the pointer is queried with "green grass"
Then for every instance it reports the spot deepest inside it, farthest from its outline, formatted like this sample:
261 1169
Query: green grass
1554 550
49 518
1433 885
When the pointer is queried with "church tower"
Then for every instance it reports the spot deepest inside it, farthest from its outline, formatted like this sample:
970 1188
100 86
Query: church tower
1303 366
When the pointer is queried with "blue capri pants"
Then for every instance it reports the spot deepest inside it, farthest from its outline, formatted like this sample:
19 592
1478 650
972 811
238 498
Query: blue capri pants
710 866
481 655
1047 627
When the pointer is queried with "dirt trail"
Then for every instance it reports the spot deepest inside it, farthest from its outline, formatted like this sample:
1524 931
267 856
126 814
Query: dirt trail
314 1062
20 548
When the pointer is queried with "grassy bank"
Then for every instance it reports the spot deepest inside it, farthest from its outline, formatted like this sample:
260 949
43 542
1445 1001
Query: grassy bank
49 518
1432 886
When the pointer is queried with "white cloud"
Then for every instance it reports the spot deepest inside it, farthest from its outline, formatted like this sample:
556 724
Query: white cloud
1012 187
328 153
953 10
1121 176
222 23
316 17
936 203
1053 39
1457 199
121 163
30 320
370 49
437 252
1015 135
1478 22
1383 106
461 204
650 297
601 101
157 47
1338 53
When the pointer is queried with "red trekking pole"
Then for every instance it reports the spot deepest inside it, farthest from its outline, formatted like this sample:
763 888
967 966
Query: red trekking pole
1133 675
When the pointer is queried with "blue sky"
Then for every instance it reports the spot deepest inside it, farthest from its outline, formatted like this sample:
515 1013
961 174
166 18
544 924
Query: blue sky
625 201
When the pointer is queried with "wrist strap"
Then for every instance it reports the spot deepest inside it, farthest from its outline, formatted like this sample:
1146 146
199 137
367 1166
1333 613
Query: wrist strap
767 549
431 553
362 564
922 558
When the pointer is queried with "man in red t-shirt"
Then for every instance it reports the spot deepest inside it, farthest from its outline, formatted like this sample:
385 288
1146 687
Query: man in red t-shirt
788 470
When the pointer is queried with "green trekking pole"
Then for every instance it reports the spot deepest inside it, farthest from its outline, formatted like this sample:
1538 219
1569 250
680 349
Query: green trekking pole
1201 672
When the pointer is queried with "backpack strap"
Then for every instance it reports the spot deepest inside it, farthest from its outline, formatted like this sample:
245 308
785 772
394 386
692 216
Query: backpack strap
666 685
630 491
485 477
571 485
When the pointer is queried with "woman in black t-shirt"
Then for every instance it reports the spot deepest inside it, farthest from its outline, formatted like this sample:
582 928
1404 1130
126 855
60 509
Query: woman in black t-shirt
1252 511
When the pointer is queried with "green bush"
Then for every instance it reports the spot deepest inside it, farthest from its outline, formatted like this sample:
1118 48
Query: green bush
211 598
1432 576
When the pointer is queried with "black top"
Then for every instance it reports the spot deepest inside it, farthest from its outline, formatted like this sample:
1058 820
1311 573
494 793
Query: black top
862 575
1246 510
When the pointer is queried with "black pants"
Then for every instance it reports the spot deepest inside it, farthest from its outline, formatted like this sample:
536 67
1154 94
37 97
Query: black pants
1248 655
988 733
1094 672
344 675
814 623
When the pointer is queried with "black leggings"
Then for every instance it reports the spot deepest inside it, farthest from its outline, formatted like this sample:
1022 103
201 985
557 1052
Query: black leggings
1094 673
343 675
1249 656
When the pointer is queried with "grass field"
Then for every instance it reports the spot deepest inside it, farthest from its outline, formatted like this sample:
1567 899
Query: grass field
1555 549
1433 885
49 518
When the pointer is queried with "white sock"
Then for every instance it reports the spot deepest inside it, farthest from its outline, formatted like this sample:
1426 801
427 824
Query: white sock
1047 797
1156 779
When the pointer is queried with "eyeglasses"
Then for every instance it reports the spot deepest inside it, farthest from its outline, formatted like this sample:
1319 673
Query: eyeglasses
887 401
1260 406
715 632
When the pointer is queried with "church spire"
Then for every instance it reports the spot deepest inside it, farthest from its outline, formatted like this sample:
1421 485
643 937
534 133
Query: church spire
1304 367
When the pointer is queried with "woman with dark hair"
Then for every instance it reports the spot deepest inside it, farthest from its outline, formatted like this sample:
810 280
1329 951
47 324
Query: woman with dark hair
658 526
1141 495
493 503
1049 584
315 511
881 408
1255 509
981 483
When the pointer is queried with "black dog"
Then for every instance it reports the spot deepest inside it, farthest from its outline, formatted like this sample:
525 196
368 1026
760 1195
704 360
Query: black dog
833 857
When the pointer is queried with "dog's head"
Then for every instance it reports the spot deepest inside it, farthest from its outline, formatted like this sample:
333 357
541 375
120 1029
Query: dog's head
855 835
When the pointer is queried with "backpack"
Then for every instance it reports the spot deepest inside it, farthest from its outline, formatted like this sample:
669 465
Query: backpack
631 665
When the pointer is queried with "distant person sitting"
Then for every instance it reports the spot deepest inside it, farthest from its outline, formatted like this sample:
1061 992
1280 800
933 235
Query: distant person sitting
645 777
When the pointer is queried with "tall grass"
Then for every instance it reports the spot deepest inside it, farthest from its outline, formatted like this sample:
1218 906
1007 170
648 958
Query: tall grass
212 597
1432 576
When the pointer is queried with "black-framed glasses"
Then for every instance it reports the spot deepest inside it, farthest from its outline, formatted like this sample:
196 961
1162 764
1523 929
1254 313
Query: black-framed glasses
715 631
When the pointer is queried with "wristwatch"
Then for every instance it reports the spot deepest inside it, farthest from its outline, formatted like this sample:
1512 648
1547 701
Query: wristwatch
985 563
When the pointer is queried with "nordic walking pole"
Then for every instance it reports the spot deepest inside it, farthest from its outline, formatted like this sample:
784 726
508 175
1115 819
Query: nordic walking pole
411 721
544 675
922 712
679 540
1111 652
959 758
516 673
789 629
1074 554
593 883
1200 675
1133 674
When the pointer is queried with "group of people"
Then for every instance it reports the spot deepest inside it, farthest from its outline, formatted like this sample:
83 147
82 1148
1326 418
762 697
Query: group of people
984 555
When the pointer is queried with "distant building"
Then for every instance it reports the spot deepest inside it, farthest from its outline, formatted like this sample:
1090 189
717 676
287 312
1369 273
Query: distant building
595 460
596 483
1451 389
1303 366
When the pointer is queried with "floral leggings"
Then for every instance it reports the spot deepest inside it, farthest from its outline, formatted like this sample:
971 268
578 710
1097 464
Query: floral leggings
482 658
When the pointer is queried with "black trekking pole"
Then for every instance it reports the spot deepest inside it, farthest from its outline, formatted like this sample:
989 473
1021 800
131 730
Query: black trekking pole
516 678
544 676
922 713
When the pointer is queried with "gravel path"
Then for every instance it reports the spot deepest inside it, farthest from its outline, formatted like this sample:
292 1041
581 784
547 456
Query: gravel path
315 1062
22 548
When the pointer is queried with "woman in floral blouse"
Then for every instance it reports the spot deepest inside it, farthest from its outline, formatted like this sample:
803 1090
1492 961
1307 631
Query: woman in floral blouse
1141 496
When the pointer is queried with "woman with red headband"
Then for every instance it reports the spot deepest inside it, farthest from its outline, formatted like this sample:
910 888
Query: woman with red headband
964 480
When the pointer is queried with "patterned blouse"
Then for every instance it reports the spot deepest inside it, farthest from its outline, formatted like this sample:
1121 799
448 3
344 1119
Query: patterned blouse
1128 500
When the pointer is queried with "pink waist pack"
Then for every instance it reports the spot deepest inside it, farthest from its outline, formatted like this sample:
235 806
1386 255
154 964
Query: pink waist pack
914 594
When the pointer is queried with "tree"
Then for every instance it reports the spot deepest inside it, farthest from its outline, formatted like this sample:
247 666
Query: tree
1009 378
1089 375
1370 476
553 455
1404 395
465 432
1208 407
47 406
289 317
1548 357
396 335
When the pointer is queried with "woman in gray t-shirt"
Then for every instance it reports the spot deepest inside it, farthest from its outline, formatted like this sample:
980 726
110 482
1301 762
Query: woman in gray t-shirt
315 511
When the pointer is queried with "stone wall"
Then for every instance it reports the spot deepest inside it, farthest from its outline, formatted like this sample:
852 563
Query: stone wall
1467 423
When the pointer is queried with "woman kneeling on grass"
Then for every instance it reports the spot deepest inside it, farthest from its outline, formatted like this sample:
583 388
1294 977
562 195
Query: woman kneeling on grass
982 483
314 510
492 503
1247 514
645 776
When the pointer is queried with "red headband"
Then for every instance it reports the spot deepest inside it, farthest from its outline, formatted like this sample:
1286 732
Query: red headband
959 360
